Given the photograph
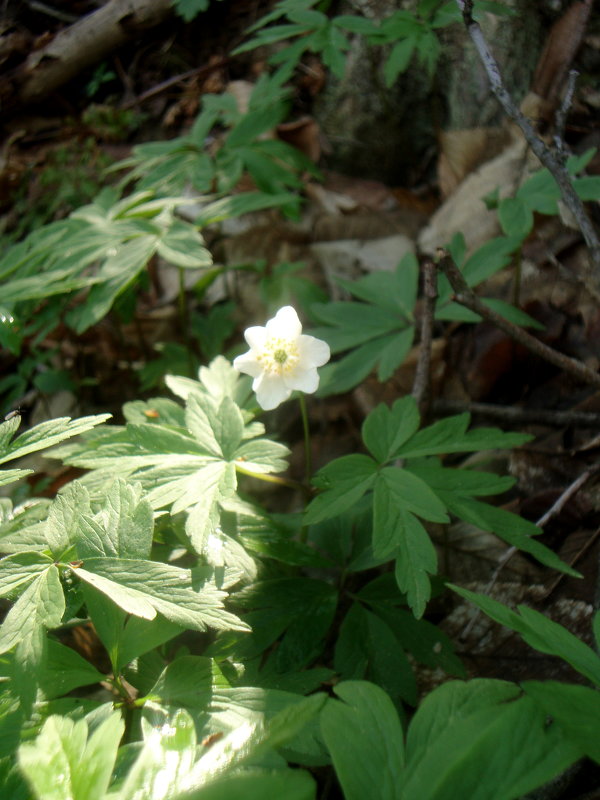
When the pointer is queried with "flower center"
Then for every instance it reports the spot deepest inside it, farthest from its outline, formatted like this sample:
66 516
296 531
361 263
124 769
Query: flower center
279 356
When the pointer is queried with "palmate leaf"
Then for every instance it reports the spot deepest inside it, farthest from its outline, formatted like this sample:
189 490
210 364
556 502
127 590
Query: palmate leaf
147 588
39 608
300 610
367 765
367 648
385 334
461 726
64 761
402 495
540 633
46 434
575 709
104 245
189 465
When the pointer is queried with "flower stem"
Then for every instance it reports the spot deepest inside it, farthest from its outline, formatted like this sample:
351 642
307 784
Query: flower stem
307 458
261 476
307 448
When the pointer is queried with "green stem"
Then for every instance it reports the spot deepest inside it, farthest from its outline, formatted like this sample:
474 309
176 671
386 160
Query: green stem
307 460
307 448
517 278
184 321
269 478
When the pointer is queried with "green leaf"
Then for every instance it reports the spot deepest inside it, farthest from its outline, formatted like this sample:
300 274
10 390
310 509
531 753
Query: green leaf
126 521
257 784
464 482
449 704
519 750
393 353
512 314
427 643
301 609
386 429
367 648
409 493
183 246
166 757
62 763
398 59
66 670
349 371
588 187
144 588
514 529
575 709
46 434
515 217
188 9
540 633
416 558
21 569
63 525
345 481
450 436
117 273
488 259
40 607
375 321
364 736
189 682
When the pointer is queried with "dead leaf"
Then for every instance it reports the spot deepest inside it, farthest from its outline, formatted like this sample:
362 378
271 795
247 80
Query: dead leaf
303 134
563 41
461 151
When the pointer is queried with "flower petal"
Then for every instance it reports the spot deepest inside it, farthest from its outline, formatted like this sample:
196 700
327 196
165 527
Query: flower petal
304 380
313 352
256 336
248 364
270 391
285 324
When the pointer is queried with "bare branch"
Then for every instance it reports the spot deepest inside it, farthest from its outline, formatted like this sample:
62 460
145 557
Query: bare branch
467 297
421 390
554 164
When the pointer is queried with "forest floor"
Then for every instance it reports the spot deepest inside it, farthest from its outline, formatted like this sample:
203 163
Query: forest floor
53 159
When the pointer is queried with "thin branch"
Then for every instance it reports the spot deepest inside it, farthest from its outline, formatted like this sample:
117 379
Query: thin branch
197 72
522 416
467 297
555 166
421 390
562 111
554 509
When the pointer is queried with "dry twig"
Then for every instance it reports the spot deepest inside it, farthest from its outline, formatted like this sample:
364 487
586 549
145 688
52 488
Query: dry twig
421 390
467 297
554 164
522 416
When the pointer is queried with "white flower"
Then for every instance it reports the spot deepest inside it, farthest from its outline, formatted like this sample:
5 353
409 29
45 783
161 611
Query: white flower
282 359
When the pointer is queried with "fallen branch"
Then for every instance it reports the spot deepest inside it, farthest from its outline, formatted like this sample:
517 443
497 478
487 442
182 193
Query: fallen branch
466 297
79 46
554 165
521 416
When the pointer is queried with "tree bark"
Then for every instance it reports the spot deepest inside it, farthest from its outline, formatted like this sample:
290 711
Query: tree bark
79 46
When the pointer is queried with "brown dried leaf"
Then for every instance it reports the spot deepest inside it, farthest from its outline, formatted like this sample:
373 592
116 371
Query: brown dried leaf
461 151
563 41
303 134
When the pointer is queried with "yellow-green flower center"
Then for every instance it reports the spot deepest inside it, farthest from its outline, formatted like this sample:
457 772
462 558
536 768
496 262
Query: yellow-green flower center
279 356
